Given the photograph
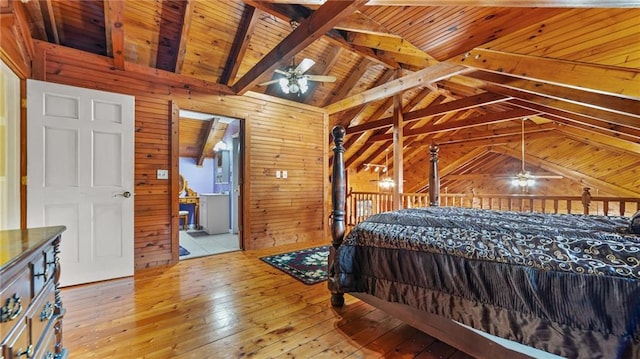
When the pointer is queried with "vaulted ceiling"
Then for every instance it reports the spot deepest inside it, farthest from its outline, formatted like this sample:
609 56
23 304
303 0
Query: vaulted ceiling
464 74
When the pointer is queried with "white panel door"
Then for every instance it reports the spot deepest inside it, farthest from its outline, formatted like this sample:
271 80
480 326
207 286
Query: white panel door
80 174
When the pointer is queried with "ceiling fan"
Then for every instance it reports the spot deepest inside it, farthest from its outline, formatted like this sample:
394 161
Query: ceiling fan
295 80
524 178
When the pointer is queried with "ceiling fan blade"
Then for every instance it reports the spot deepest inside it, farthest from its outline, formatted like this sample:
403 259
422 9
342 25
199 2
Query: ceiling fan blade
320 78
281 72
547 176
304 65
267 83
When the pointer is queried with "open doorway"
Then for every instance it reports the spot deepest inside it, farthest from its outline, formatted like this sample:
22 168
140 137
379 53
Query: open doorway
210 152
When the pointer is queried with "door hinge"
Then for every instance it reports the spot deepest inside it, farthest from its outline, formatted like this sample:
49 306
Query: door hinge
23 180
23 103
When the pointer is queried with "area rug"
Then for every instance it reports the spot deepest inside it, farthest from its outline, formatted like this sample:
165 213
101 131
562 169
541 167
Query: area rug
184 251
307 265
198 234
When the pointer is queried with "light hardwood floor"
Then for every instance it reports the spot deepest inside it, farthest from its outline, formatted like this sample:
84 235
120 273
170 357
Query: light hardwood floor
231 305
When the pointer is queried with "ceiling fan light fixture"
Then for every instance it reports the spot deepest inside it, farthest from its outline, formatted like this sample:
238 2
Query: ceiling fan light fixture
386 183
294 85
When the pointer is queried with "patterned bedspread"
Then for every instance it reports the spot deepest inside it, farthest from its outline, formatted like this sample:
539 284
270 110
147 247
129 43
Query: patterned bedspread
567 284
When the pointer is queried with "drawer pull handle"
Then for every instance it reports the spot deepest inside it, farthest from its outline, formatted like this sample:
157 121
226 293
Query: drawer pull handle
11 309
47 312
45 274
28 352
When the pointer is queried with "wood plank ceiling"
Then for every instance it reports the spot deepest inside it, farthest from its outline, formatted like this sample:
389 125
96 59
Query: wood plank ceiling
466 74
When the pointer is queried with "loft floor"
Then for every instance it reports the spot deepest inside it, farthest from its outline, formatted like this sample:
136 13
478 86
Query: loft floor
231 305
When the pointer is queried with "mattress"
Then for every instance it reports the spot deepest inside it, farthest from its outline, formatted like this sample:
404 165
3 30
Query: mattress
566 284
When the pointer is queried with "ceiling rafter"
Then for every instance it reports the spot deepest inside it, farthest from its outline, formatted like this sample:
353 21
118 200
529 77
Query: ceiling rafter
575 176
420 78
114 31
417 99
590 99
207 137
240 44
309 30
568 107
337 38
452 166
50 25
439 109
354 77
611 127
486 3
184 35
469 122
617 81
589 137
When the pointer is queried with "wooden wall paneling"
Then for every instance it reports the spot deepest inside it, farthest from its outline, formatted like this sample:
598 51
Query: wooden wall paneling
280 135
174 172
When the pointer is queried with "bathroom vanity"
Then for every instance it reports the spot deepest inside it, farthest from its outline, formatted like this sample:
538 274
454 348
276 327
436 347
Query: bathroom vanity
214 213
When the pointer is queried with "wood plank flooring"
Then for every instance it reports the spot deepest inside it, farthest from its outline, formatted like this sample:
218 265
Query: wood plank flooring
231 305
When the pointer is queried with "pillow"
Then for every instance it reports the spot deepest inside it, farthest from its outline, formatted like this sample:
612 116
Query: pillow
634 226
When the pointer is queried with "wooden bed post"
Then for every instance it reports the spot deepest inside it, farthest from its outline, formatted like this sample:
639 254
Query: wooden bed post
338 197
434 179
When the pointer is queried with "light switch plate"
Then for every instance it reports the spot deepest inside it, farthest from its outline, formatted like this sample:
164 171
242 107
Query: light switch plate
284 174
162 174
277 174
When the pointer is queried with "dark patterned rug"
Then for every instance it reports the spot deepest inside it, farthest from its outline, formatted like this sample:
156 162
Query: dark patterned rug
198 234
307 265
184 251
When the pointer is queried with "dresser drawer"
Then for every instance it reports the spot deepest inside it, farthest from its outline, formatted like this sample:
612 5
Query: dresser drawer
41 312
46 349
14 300
17 344
42 269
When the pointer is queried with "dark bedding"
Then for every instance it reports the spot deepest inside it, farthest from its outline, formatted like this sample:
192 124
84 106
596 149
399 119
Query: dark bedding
566 284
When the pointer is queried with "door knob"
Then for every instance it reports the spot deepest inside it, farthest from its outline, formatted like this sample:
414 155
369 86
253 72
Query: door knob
125 194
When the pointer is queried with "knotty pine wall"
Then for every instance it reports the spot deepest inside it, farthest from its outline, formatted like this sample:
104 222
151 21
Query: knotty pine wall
280 135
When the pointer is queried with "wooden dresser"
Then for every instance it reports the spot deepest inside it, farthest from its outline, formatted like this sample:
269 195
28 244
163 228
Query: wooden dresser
31 308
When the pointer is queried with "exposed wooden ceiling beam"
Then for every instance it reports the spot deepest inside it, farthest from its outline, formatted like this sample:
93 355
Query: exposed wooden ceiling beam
390 44
114 31
484 3
420 78
575 176
368 53
207 138
611 103
617 81
309 30
569 106
466 123
364 136
184 35
240 44
139 71
452 166
609 142
50 26
347 84
612 127
359 22
512 134
433 110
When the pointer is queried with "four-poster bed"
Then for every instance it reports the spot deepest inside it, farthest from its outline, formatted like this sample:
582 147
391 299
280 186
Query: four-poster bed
564 284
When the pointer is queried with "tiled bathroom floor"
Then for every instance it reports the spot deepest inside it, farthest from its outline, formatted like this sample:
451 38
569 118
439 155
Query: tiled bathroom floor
207 245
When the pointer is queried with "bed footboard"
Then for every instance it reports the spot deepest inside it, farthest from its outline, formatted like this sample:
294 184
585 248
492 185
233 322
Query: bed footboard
338 198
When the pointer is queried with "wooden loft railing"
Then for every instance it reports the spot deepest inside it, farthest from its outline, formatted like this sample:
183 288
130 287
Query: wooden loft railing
360 205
